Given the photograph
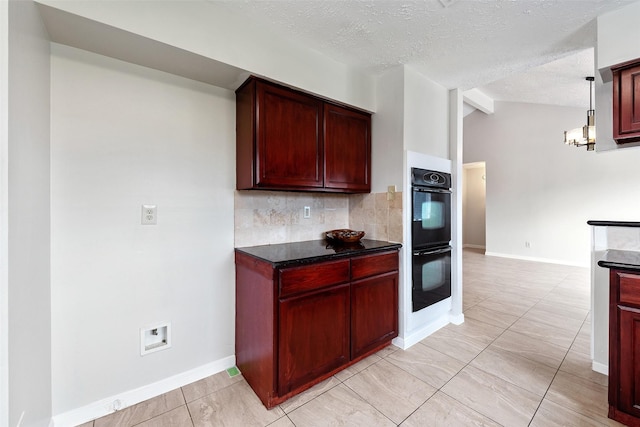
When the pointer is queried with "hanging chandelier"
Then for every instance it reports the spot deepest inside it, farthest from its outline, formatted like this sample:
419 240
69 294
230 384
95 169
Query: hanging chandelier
586 135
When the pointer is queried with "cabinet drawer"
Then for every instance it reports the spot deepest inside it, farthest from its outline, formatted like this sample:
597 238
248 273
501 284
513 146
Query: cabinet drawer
371 265
313 276
629 289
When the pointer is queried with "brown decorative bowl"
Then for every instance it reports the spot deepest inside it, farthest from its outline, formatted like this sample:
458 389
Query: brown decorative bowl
345 235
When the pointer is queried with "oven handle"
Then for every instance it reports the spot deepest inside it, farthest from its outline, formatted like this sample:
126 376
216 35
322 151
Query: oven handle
430 190
432 252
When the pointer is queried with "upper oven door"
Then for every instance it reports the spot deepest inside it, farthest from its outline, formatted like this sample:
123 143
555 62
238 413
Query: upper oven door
431 222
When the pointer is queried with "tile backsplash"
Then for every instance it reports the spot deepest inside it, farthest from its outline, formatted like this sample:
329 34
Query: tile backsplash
271 217
380 218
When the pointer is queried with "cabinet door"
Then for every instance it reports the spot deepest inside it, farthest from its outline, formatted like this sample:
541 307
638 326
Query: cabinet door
626 104
374 312
313 336
289 144
347 141
629 361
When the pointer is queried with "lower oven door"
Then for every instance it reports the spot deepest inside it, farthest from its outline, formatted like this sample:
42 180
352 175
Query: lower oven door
431 276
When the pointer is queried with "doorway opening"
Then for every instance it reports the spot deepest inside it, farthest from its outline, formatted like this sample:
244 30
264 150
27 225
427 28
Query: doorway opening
474 205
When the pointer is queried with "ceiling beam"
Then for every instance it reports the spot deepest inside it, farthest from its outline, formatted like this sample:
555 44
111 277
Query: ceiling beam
478 100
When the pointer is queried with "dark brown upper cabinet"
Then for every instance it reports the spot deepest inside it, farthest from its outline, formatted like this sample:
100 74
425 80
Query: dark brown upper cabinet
626 102
347 148
289 140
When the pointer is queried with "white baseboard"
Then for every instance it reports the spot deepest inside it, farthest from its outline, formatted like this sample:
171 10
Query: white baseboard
600 367
536 259
457 319
472 246
128 398
420 334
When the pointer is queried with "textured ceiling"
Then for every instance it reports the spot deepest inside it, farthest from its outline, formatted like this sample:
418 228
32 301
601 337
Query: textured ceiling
506 48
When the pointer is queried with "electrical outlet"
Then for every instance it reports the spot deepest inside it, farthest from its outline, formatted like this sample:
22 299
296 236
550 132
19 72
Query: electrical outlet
527 244
391 192
306 212
149 214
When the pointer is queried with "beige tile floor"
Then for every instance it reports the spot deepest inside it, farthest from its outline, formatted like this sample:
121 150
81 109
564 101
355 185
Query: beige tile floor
520 359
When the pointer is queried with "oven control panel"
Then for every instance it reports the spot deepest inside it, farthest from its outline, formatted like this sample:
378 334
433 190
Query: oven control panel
429 178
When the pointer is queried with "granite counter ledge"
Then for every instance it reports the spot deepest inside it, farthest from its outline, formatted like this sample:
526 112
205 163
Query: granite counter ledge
619 259
598 223
310 251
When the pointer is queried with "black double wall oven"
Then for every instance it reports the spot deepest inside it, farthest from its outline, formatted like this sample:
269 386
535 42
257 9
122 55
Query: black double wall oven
430 237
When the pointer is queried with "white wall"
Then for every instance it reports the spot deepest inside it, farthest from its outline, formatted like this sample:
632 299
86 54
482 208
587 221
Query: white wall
456 134
412 114
26 333
387 132
542 191
212 30
426 118
124 135
618 32
4 214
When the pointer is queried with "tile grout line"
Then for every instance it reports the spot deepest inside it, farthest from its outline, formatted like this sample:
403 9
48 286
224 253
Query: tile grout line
556 374
187 405
326 391
461 369
362 397
544 396
487 346
164 412
469 363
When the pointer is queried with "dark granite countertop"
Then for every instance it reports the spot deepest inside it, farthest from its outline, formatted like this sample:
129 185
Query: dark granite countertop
625 260
287 254
614 223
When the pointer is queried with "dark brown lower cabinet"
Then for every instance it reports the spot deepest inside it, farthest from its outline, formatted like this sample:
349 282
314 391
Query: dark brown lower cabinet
624 347
313 336
370 328
296 326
